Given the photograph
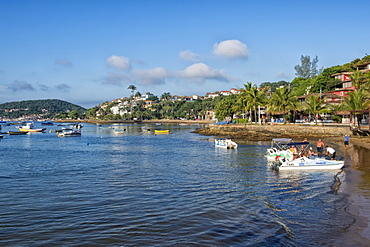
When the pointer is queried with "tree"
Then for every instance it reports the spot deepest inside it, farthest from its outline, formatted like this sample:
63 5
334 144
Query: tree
274 85
357 101
166 96
226 108
301 86
250 99
357 79
282 101
314 105
133 88
138 94
307 69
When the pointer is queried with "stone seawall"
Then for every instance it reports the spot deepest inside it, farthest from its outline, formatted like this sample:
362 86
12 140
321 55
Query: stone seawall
266 132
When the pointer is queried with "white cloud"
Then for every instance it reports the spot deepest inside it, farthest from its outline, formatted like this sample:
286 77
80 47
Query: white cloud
64 62
116 79
231 49
199 72
154 76
119 62
189 56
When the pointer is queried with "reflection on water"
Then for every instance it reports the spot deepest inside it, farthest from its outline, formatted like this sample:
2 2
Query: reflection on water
141 189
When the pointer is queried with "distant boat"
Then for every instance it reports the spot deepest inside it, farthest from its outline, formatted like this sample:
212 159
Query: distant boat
225 143
1 136
17 132
47 123
29 128
120 131
161 131
70 133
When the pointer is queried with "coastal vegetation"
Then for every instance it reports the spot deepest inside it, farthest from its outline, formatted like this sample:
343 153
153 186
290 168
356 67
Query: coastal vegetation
49 108
281 99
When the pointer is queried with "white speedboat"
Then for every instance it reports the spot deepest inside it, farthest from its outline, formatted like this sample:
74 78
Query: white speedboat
304 163
225 143
70 133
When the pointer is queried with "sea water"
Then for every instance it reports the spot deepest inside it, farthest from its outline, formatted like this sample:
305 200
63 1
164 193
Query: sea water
122 185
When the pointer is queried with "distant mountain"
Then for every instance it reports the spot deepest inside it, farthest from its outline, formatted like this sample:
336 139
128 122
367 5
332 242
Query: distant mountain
30 107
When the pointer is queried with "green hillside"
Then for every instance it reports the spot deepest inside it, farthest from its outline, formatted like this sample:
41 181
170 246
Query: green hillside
31 107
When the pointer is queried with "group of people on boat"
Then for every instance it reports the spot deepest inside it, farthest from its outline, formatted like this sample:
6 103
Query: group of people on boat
322 150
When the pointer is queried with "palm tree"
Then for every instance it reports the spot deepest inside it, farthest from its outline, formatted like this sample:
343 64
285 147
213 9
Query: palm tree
357 101
283 100
251 98
133 88
314 105
166 96
356 79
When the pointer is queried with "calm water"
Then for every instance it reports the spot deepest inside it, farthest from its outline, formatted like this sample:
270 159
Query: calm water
141 189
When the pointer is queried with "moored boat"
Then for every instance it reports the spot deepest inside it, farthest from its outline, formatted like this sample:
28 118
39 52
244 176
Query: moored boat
225 143
30 128
70 133
47 123
17 132
304 163
161 131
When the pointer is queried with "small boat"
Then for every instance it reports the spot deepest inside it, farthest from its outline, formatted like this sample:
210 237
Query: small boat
29 128
1 136
120 131
17 132
225 143
304 163
47 123
161 131
70 133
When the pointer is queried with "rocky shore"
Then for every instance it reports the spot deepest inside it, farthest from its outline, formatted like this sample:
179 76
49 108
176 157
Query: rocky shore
267 132
331 134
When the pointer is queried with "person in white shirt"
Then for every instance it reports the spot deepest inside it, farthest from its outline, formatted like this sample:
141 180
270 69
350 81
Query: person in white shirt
330 151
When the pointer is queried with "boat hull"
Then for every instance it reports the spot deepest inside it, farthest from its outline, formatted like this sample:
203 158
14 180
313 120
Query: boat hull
18 132
161 131
31 130
309 164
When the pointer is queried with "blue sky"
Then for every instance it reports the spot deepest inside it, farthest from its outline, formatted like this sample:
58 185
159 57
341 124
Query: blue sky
89 52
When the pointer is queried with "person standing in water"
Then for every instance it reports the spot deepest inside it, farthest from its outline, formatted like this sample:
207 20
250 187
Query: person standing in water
346 141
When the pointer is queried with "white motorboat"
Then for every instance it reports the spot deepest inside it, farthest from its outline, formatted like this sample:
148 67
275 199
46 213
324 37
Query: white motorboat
225 143
304 163
70 133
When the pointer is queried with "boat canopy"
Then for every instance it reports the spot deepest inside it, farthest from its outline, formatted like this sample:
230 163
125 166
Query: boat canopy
297 143
282 140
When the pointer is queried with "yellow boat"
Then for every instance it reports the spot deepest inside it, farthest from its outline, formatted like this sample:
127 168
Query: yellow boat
161 131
